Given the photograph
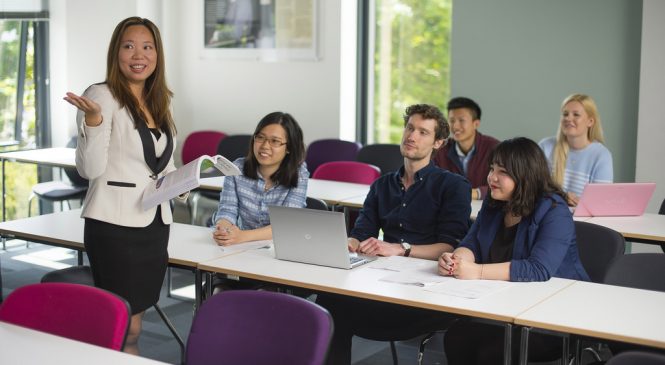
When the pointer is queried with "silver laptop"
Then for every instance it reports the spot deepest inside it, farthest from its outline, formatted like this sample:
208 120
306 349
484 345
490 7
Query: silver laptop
312 236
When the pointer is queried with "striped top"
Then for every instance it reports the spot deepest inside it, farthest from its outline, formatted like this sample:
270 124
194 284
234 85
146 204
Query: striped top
591 164
244 202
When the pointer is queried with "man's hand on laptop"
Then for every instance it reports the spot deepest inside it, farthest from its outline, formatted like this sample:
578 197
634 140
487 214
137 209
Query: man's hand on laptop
353 244
375 247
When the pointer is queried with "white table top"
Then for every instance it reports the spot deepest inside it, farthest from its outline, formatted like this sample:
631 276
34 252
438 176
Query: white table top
188 245
364 282
604 311
60 156
646 227
26 346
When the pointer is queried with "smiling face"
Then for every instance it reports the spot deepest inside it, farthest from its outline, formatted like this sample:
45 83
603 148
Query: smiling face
575 122
137 56
266 154
463 126
418 139
500 183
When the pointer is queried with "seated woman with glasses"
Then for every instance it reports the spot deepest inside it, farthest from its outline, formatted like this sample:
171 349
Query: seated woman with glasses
274 173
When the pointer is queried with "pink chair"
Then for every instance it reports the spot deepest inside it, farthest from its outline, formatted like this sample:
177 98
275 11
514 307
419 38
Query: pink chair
347 171
79 312
200 143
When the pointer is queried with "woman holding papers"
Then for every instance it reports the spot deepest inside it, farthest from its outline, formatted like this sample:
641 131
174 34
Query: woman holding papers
523 232
577 155
126 140
273 173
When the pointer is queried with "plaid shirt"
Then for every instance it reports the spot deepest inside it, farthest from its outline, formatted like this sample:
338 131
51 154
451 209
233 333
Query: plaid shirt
245 202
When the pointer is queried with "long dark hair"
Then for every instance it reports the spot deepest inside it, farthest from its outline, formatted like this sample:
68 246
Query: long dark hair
287 173
156 93
526 164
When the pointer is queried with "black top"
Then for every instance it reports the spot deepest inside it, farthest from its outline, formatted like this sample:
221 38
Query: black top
502 246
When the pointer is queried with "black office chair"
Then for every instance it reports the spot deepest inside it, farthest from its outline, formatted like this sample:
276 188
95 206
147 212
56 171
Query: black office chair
637 357
231 147
318 204
83 275
59 191
598 248
387 157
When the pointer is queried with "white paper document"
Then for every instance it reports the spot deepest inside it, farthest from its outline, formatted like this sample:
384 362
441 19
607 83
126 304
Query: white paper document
186 178
401 263
471 289
418 277
246 246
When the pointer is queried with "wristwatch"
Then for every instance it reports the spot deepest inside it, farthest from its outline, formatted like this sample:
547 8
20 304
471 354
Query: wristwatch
407 248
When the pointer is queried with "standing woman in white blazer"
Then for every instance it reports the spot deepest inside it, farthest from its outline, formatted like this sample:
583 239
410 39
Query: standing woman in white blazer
126 139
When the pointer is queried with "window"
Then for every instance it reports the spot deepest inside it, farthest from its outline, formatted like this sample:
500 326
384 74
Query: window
23 100
408 48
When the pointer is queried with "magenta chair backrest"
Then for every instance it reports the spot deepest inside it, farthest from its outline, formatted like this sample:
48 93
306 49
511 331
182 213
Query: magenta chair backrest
326 150
78 312
347 171
259 327
200 143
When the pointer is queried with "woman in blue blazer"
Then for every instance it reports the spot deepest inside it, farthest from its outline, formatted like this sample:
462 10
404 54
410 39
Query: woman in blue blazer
126 140
523 232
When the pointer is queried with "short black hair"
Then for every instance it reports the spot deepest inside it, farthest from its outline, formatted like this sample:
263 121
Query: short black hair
466 103
426 111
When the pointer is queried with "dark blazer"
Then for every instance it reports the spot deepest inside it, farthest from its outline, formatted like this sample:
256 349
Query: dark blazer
544 243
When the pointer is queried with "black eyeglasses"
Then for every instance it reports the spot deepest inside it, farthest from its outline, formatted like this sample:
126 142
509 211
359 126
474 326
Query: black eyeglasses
273 142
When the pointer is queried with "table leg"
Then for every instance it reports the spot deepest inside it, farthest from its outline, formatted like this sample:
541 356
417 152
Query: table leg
507 343
524 346
4 193
198 290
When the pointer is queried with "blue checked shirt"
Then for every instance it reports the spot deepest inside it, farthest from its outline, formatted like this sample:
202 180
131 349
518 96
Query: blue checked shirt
244 201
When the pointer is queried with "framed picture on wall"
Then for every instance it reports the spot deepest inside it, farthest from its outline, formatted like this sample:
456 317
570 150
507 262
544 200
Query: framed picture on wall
265 30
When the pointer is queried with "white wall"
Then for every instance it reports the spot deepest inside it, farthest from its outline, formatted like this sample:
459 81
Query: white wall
651 119
230 95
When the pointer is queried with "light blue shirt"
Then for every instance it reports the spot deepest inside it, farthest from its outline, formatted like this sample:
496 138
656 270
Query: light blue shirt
591 164
464 158
245 202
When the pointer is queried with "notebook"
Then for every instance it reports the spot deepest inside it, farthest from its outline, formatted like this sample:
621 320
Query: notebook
312 236
618 199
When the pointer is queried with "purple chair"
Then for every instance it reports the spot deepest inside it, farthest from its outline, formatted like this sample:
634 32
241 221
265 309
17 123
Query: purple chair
79 312
326 150
259 327
347 171
200 143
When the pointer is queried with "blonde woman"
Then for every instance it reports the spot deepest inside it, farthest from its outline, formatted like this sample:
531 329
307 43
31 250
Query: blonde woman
577 155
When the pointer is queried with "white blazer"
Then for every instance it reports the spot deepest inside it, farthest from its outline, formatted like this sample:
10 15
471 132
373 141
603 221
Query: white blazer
111 157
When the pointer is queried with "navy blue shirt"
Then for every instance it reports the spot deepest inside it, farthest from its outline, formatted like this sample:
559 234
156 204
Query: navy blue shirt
436 208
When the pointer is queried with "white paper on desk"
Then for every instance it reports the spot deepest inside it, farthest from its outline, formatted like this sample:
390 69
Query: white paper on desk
401 263
246 246
418 277
471 289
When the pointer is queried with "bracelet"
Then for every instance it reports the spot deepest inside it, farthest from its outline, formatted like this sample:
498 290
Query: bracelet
482 266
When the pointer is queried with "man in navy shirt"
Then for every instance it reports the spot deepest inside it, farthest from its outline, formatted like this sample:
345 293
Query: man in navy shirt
423 211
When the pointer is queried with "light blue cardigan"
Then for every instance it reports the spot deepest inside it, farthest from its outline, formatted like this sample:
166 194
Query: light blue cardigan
544 243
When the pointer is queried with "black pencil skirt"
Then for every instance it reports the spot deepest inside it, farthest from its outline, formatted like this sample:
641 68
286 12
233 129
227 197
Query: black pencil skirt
128 261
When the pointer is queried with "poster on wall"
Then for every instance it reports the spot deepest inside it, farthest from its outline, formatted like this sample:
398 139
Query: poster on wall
265 30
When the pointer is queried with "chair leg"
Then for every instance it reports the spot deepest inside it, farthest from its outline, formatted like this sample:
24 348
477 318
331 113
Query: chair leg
171 328
393 351
423 343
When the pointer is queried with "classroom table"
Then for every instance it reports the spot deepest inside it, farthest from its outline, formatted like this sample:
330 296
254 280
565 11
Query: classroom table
647 228
363 282
188 245
56 157
27 346
603 311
